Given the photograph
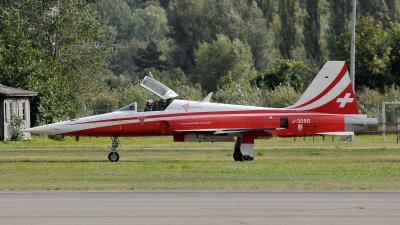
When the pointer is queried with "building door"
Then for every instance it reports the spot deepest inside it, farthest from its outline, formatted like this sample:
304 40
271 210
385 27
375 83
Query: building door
8 112
22 112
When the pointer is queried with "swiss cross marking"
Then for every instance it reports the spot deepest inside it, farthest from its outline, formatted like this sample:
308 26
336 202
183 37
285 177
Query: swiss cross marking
345 100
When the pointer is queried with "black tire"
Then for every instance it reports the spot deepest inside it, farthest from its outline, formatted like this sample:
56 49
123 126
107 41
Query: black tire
113 156
247 158
237 156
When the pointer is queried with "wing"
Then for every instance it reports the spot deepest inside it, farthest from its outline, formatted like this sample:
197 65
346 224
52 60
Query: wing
231 130
227 131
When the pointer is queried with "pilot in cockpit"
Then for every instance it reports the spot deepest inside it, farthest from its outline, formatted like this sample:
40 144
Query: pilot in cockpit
149 105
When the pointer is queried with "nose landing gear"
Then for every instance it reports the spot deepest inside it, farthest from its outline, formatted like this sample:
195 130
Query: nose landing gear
114 156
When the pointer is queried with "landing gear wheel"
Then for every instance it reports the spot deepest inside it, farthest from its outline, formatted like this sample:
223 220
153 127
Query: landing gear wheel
113 156
237 156
247 158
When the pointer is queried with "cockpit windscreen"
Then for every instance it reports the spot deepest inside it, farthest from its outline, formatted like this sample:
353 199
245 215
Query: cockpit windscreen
130 107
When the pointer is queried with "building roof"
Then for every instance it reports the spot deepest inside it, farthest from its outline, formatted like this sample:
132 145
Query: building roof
15 92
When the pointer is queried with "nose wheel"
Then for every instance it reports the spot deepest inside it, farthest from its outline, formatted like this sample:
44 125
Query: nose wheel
114 156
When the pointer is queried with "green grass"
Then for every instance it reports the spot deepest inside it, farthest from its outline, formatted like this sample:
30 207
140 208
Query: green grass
158 163
39 141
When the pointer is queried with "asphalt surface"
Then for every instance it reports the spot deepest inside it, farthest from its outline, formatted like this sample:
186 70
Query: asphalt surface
199 207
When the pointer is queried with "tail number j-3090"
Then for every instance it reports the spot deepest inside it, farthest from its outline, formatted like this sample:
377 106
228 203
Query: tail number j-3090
301 121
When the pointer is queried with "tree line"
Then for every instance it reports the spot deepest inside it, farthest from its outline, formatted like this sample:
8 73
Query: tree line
87 57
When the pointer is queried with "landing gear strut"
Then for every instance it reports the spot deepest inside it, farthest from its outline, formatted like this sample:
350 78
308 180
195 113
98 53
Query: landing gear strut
114 156
237 154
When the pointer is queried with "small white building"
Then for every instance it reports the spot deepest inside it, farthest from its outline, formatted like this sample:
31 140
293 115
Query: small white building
14 101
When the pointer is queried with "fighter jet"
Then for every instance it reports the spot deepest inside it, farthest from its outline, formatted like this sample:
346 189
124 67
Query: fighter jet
327 107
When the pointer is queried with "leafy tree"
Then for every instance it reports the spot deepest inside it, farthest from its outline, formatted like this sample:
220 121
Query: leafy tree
56 48
216 60
255 32
193 22
144 24
135 3
287 32
68 31
282 96
149 57
368 100
247 94
188 28
164 3
17 55
392 7
242 94
267 7
372 54
56 101
122 63
295 74
394 43
312 29
106 101
374 8
149 24
340 11
25 67
119 16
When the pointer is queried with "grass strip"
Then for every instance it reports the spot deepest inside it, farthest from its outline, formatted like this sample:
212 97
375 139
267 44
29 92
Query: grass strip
324 168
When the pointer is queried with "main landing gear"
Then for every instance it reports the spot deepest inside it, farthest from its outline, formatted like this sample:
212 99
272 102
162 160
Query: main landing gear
114 156
238 155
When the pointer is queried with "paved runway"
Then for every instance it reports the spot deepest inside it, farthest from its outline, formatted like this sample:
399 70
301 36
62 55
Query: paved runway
199 207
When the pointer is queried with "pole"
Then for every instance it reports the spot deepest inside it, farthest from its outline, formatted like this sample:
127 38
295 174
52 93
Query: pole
353 44
398 130
384 121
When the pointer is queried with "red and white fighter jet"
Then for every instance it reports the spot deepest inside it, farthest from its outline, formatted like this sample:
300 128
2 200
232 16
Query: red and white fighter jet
328 107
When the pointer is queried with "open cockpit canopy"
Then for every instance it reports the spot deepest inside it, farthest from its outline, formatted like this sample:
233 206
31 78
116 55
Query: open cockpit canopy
158 88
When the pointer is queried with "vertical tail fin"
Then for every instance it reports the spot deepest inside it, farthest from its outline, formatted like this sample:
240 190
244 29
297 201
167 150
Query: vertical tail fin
331 91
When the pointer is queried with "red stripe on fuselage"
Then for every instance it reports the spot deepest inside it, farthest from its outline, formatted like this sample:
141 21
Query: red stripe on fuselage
188 114
181 116
311 124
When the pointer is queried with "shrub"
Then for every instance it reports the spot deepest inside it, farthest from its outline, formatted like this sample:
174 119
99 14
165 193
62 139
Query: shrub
16 122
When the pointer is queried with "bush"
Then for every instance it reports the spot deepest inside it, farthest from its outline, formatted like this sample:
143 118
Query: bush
17 123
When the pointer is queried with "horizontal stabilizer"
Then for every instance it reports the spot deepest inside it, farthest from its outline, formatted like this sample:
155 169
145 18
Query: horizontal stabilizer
337 133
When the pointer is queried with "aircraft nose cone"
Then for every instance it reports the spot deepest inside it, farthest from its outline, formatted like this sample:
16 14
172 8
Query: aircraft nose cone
40 130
